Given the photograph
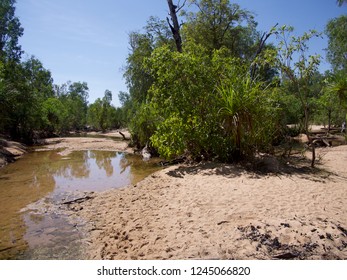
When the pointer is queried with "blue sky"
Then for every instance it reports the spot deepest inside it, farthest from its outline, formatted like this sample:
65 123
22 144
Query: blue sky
87 40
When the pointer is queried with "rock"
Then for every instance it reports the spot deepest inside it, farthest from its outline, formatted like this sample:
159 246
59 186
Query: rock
302 138
145 153
10 151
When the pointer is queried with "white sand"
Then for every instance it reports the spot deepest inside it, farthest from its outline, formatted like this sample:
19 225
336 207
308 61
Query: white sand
217 211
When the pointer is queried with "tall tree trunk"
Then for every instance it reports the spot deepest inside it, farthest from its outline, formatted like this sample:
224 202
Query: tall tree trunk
329 121
175 27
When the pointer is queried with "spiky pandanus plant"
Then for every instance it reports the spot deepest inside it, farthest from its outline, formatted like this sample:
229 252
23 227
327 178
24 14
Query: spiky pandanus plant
249 117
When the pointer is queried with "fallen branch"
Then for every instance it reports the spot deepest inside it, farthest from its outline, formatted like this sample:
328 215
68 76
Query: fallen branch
172 162
78 200
124 138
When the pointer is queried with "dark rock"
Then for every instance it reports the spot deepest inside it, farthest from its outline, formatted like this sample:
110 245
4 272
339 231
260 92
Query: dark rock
286 256
285 225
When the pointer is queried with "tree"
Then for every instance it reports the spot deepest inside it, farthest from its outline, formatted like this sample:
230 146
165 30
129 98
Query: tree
337 45
94 114
54 116
10 31
214 111
341 2
338 89
217 24
123 98
176 115
159 32
137 79
74 97
39 79
102 115
26 86
329 102
298 73
105 121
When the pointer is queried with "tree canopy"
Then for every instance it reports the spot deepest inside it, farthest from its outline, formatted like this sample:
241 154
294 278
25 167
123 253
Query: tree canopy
253 89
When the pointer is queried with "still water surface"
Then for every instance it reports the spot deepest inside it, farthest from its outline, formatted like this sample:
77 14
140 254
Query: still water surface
50 176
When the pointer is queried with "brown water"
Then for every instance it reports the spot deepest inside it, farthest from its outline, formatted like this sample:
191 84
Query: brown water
49 177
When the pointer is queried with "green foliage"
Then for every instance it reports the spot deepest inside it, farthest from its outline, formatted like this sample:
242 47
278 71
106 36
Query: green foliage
223 97
218 24
55 116
334 99
159 32
102 115
179 95
38 78
337 45
94 114
250 117
74 97
289 104
143 124
338 86
209 111
298 69
137 79
10 32
24 88
329 108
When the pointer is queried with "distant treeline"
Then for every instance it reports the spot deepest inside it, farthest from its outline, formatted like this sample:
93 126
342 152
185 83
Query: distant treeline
31 106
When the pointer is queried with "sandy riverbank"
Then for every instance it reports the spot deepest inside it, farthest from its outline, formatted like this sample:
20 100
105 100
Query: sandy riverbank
217 211
70 144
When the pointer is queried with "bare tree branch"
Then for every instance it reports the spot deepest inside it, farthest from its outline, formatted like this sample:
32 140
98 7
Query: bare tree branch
175 27
262 42
179 7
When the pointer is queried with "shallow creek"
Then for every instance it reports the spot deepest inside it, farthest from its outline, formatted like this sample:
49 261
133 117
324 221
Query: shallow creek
50 178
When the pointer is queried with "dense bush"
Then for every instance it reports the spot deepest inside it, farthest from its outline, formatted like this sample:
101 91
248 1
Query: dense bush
207 106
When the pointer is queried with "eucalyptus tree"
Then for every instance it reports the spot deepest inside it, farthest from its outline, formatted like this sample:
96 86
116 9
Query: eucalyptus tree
219 23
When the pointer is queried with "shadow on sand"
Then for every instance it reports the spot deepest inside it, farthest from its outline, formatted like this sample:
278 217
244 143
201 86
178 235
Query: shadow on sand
260 167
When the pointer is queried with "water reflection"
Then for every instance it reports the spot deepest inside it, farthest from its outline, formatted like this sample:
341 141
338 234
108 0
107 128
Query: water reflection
98 171
103 161
51 175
